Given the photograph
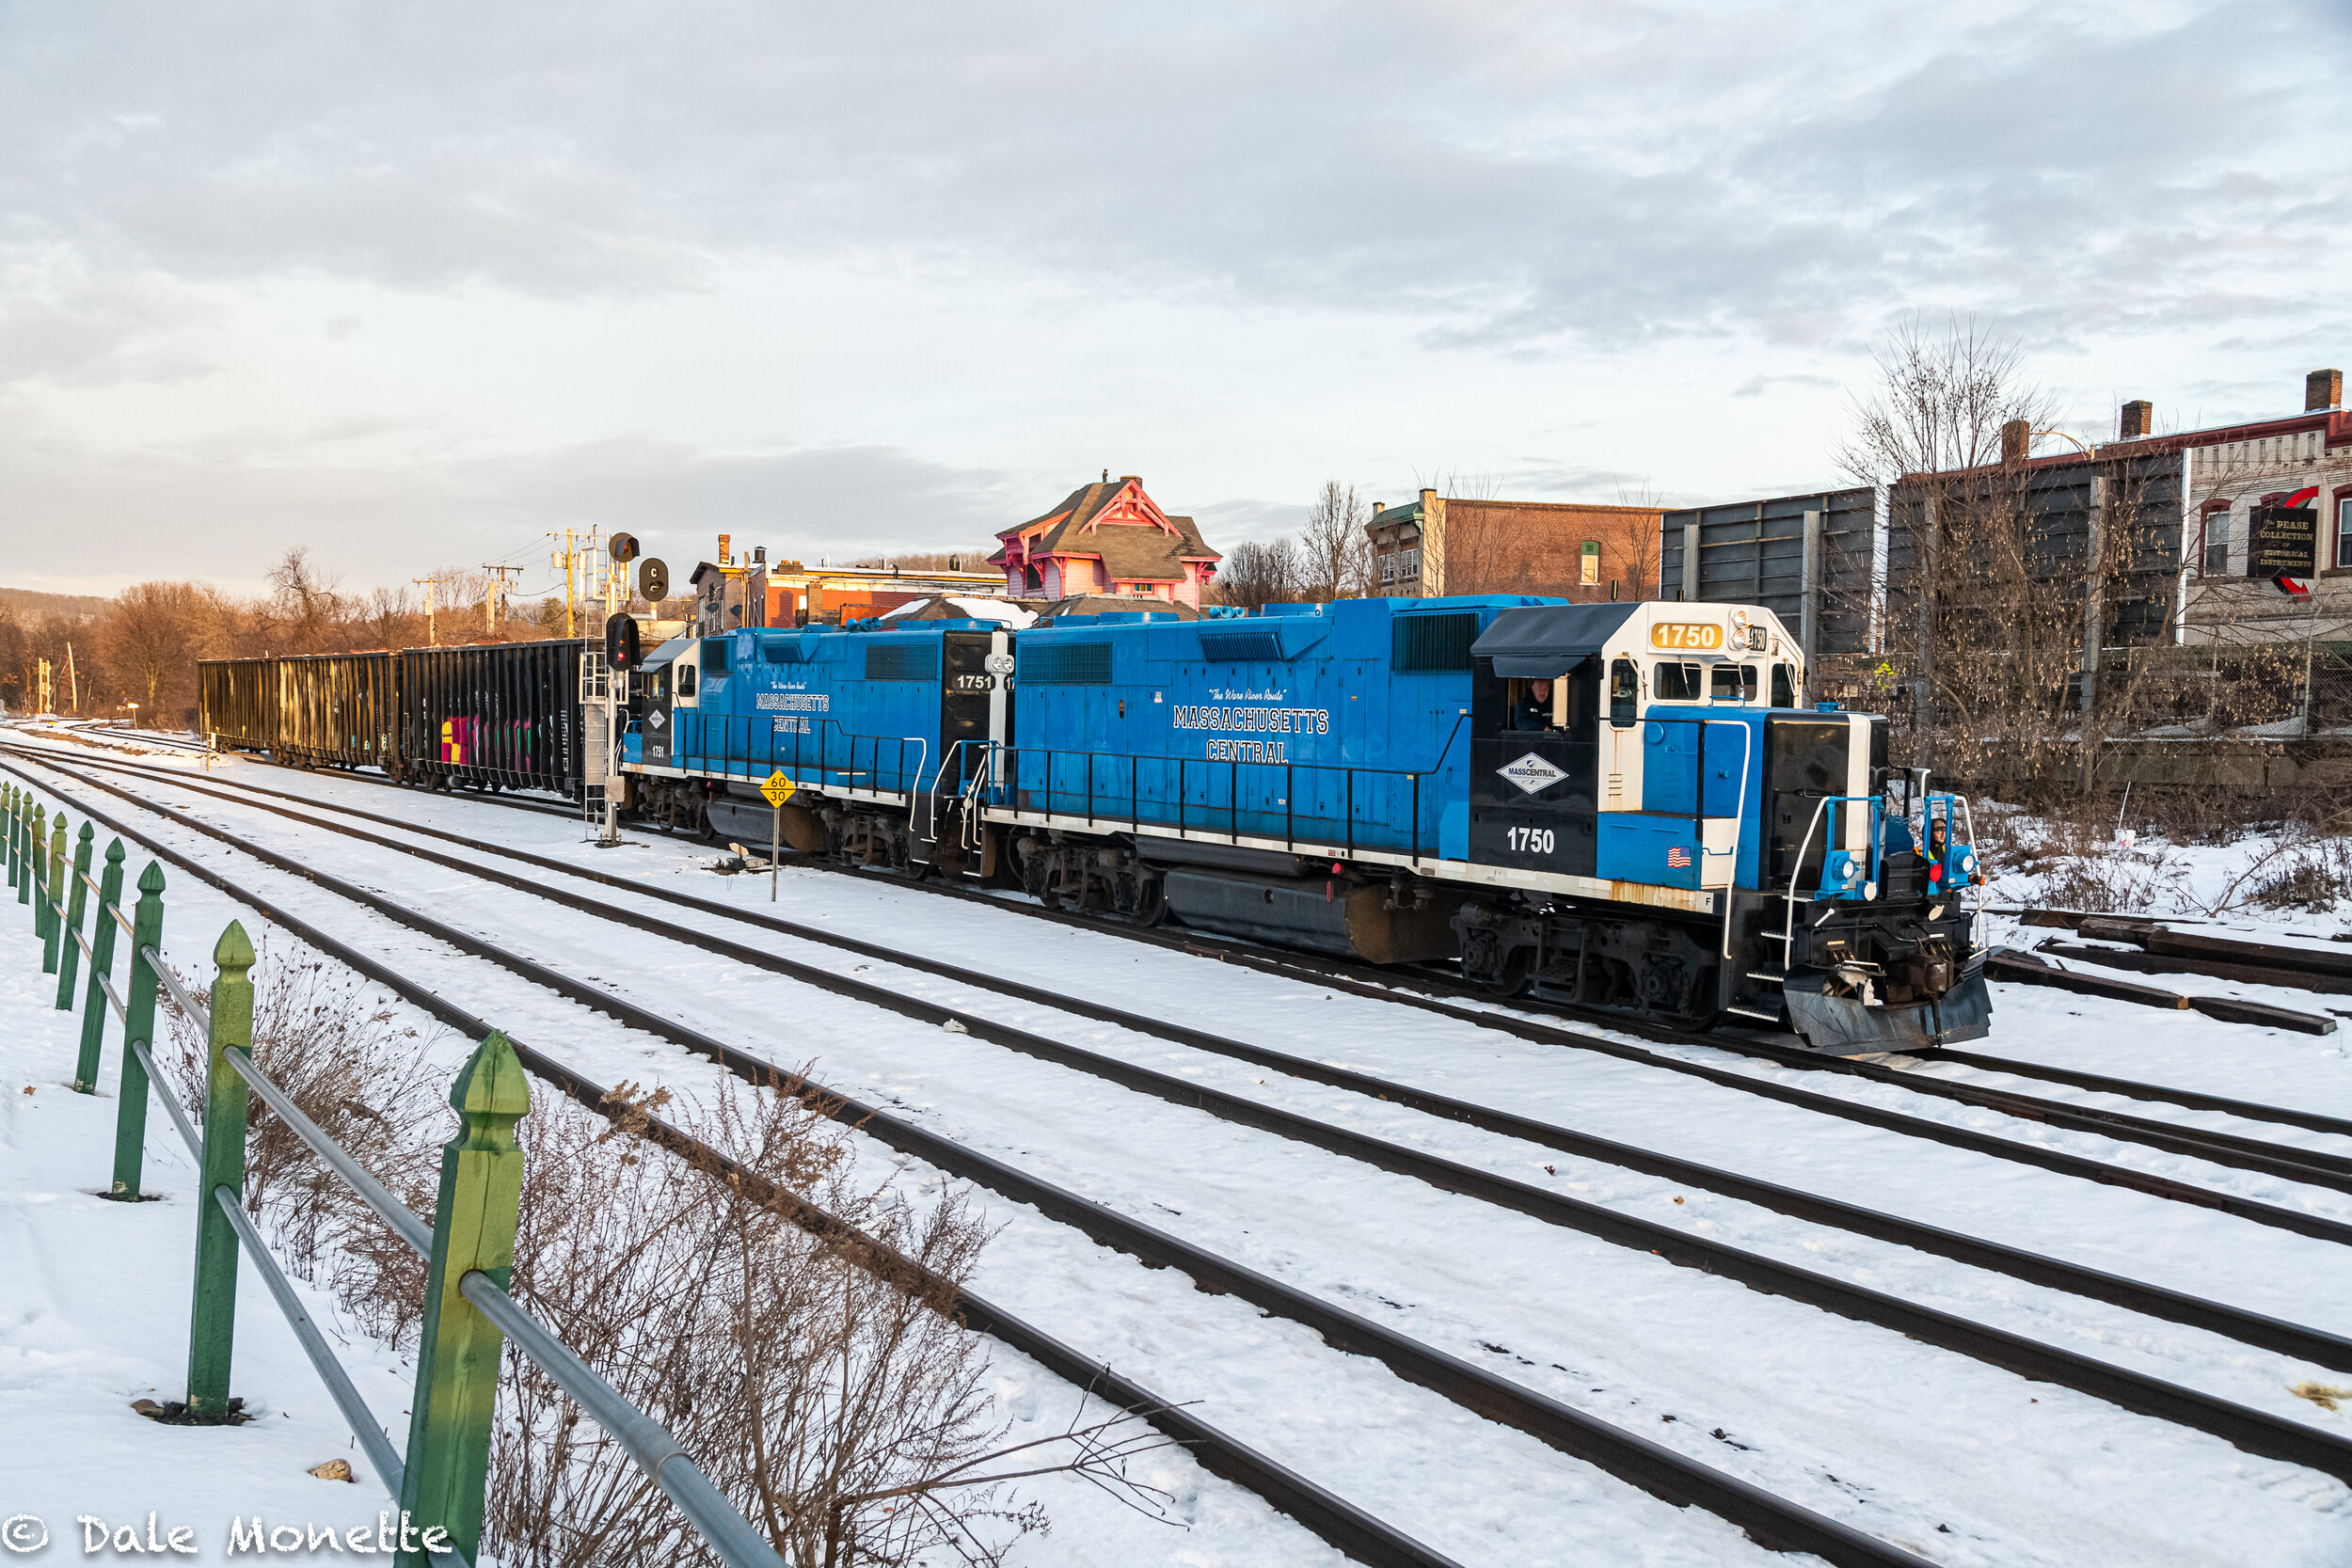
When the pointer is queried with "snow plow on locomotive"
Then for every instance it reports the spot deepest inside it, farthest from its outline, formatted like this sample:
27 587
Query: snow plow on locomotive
1619 804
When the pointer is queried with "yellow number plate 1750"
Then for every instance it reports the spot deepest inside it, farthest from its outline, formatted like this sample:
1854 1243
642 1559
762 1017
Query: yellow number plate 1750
1701 636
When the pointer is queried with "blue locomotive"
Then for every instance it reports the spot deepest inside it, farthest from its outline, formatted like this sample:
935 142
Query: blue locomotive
1621 804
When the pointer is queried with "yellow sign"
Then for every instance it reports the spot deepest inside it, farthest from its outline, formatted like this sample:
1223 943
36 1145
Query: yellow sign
1704 637
778 788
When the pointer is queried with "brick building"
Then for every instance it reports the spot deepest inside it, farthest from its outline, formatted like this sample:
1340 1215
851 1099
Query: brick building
2226 472
1440 545
1107 538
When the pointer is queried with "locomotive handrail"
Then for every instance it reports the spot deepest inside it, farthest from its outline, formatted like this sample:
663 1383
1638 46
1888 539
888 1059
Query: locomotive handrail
1788 927
1738 817
1004 786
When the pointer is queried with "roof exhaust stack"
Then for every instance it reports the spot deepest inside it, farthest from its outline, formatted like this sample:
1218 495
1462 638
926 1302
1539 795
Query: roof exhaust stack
2323 391
2139 417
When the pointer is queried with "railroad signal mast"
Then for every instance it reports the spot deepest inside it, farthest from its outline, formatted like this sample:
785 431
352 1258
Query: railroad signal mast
605 676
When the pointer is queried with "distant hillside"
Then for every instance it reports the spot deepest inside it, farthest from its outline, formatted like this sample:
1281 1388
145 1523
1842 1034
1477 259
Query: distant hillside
28 603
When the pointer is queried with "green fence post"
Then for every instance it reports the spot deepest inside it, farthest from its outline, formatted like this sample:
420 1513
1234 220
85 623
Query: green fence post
77 903
29 841
101 963
212 1313
457 1353
10 823
53 896
138 1007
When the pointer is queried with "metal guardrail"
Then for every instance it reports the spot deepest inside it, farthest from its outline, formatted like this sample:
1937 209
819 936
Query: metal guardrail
218 1147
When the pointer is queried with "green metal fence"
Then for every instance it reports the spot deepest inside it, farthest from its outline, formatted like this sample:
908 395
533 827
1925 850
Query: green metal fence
469 1318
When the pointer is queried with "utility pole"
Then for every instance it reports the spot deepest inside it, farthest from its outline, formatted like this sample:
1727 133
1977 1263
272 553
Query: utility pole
44 693
494 600
431 638
72 681
568 557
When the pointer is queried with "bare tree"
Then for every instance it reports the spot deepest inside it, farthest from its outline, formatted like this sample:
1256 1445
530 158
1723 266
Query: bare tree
1256 574
149 642
2026 607
305 608
1335 553
387 620
1938 404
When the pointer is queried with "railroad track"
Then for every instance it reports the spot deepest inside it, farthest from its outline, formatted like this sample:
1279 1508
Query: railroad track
1419 988
2255 1431
1662 1472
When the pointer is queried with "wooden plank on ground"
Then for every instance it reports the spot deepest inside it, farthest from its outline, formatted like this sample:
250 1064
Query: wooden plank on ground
2164 939
2230 1010
2183 963
2117 927
2004 963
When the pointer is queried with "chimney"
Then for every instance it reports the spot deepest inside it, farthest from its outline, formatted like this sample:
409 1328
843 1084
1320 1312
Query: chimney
1131 479
724 540
2138 415
2017 439
2323 390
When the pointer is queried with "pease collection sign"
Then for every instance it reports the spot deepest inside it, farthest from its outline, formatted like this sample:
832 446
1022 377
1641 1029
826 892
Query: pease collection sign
2284 542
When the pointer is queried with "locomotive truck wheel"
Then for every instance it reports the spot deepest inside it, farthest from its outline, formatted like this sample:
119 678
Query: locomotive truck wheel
1516 977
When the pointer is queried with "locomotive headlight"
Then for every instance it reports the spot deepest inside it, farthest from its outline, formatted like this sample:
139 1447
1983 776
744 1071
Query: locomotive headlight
997 664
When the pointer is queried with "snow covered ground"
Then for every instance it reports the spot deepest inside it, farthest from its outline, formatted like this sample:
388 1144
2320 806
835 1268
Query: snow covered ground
1958 1461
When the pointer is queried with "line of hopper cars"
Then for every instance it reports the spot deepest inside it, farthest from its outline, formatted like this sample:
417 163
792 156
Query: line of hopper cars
1620 804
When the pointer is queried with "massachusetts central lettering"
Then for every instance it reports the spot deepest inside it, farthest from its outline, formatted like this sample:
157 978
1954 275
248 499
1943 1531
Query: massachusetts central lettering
1257 720
1263 721
795 703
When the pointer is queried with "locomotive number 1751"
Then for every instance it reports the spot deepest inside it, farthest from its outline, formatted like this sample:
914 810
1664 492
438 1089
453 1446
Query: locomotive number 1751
1534 841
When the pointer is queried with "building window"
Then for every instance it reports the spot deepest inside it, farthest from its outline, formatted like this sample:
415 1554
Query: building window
2344 531
1388 568
2216 556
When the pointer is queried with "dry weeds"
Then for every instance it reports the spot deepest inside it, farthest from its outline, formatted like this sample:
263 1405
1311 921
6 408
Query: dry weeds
814 1366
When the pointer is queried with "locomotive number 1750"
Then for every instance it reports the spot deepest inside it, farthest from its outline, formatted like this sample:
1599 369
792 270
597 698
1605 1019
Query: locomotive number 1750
1534 841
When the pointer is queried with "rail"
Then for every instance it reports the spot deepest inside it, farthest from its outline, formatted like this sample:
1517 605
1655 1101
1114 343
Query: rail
439 1485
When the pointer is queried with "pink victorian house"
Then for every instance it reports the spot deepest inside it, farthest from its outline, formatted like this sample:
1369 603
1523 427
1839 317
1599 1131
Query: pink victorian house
1107 538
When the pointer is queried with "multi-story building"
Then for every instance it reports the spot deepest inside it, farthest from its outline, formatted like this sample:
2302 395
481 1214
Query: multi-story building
2230 471
1107 538
1460 545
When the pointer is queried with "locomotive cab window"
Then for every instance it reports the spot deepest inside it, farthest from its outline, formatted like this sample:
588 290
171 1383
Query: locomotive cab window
1731 683
686 680
1783 686
1534 704
1679 683
1624 693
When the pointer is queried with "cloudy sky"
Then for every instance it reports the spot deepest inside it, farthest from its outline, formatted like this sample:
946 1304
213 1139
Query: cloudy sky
413 284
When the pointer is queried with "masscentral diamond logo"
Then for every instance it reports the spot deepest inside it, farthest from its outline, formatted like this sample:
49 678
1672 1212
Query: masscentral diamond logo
1532 773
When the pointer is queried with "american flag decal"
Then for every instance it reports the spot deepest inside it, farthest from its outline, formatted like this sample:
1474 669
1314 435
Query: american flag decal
1678 858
